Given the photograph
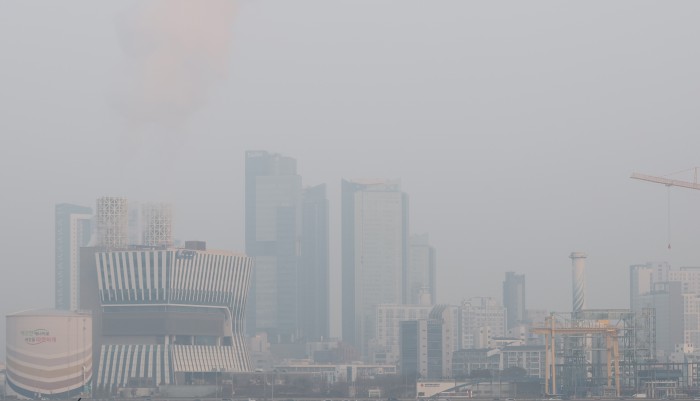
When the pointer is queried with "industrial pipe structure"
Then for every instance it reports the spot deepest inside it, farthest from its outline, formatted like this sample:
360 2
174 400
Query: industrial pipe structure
551 330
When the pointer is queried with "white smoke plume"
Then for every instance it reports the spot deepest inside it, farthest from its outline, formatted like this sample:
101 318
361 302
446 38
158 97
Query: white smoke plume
178 49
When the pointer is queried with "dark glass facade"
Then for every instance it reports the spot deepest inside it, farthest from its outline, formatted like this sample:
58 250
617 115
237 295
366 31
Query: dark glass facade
287 235
410 348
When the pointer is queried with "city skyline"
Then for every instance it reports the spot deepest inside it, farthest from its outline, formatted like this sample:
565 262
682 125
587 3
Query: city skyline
514 131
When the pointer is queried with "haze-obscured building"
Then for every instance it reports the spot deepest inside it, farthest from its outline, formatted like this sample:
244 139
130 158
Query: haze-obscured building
273 232
482 319
674 295
530 358
386 344
287 235
643 277
112 220
421 271
314 266
157 224
73 230
514 299
668 301
427 345
374 255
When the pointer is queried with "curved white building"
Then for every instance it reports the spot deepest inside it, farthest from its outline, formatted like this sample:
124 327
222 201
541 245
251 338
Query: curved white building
168 316
49 353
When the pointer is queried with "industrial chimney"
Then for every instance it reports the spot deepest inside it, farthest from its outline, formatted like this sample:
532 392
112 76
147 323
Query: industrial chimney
578 275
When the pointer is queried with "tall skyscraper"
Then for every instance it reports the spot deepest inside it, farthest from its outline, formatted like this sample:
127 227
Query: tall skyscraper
273 231
73 229
374 255
514 299
314 299
287 235
421 271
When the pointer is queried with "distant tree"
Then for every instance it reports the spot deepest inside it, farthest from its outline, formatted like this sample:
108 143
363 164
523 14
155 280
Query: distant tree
480 374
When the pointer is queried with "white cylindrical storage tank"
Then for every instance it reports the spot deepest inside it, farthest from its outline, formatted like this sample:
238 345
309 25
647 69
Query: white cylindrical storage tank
49 353
578 278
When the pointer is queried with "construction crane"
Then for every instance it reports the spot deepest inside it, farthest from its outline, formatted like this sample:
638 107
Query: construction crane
670 183
667 181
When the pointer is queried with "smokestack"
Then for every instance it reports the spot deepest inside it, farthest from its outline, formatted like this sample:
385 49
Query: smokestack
578 275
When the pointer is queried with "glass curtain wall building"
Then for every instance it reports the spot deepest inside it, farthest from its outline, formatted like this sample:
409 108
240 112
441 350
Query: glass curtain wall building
286 233
374 255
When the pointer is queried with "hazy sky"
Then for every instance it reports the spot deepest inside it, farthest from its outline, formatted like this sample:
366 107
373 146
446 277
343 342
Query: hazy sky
514 127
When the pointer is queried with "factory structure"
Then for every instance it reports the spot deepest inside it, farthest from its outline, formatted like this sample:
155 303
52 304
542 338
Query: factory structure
646 350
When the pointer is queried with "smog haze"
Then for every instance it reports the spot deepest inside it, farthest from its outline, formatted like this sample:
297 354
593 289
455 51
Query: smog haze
513 127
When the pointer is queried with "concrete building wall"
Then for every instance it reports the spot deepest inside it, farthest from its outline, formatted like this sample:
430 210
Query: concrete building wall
482 318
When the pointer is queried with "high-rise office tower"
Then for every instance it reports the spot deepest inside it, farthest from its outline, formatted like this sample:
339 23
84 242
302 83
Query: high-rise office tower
374 254
421 271
287 235
314 283
112 220
73 229
273 233
514 299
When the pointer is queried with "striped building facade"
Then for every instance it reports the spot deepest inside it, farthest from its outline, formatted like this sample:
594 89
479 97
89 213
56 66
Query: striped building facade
168 316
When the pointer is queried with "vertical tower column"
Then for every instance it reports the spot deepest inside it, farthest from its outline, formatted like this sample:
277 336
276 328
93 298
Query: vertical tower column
578 262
